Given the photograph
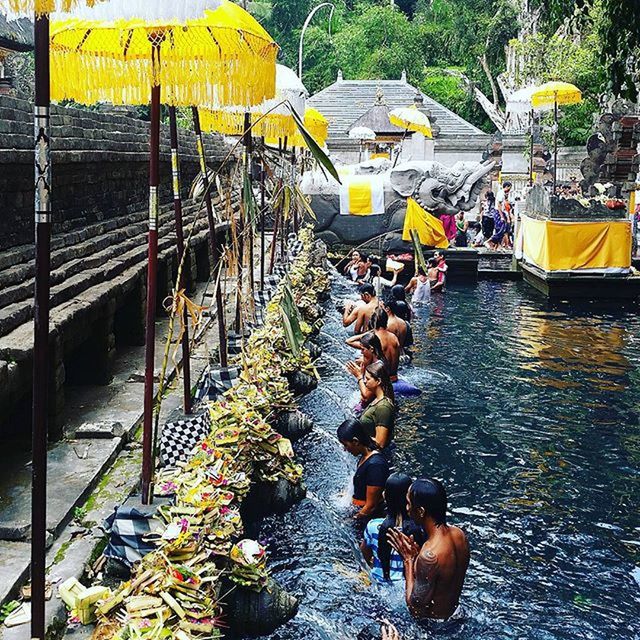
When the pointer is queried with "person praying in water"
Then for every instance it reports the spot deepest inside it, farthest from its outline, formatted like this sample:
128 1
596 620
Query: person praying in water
434 571
386 562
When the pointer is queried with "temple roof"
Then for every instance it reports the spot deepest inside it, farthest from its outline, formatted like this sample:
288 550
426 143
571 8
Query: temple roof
377 119
346 102
16 35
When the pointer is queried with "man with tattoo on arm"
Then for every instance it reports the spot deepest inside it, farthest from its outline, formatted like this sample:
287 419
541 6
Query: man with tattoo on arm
435 573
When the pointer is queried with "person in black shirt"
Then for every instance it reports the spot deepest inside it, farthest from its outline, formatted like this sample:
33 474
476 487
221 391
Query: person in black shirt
372 472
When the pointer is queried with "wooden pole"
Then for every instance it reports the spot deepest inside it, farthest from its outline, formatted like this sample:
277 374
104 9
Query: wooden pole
555 145
152 284
262 220
41 327
531 149
213 239
251 222
177 208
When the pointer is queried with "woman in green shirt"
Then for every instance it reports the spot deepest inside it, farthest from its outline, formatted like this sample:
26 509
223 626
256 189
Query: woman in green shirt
379 416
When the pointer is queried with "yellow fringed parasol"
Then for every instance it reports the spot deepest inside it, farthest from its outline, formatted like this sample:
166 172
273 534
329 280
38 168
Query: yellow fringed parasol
551 94
411 119
218 57
277 120
316 124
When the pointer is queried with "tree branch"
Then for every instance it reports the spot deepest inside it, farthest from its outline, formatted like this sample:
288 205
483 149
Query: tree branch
493 110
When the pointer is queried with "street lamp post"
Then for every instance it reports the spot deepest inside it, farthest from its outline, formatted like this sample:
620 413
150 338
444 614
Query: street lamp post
304 28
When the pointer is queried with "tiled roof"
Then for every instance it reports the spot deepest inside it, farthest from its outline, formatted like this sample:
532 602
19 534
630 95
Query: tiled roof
16 35
343 102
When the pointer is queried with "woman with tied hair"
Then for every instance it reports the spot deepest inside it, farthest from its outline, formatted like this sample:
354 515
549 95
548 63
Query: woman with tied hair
372 470
371 350
378 418
387 564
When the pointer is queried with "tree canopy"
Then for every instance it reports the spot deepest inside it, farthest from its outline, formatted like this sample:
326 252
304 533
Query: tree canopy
438 42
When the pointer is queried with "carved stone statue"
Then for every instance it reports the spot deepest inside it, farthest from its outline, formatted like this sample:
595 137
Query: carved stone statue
439 189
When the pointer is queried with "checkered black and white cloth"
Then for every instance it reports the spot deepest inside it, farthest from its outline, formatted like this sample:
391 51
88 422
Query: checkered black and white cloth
280 270
234 343
181 437
271 283
214 382
127 528
294 247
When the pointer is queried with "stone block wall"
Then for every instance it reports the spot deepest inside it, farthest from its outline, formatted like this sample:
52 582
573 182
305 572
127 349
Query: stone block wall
100 167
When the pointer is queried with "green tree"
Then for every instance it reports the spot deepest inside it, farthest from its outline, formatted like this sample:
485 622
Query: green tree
618 27
379 42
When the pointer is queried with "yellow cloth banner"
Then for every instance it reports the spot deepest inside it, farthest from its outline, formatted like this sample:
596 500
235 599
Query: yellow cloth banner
362 195
567 246
360 203
430 229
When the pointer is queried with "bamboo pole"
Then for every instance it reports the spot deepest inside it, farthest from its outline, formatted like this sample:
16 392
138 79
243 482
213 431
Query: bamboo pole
41 326
152 284
213 239
262 219
177 207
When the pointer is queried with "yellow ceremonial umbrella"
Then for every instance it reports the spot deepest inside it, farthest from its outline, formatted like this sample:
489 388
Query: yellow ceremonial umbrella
124 51
555 94
552 94
272 118
114 53
410 119
316 124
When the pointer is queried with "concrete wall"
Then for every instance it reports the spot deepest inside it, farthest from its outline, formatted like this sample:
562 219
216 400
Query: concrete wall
100 167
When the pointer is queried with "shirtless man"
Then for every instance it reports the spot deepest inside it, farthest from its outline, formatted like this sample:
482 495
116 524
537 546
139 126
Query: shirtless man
361 313
395 324
434 574
389 341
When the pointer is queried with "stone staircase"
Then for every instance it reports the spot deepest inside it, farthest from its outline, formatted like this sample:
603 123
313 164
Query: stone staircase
98 289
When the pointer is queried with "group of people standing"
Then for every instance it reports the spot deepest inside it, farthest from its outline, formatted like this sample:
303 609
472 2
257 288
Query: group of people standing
402 521
363 269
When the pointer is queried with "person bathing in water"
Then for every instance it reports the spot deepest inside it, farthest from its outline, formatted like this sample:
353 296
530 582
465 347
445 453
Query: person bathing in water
371 351
372 471
434 571
389 341
356 268
378 417
397 311
420 287
438 274
386 562
361 313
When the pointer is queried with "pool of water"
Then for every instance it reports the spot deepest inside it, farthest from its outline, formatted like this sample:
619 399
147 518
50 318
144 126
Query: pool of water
530 417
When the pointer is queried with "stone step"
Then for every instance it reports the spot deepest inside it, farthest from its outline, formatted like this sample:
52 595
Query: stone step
77 256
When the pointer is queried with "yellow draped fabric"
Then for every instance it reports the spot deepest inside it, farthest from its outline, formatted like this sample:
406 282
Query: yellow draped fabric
229 123
569 246
316 124
225 57
360 198
429 228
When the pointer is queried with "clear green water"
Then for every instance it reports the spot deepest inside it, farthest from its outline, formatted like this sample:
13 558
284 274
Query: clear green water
530 417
